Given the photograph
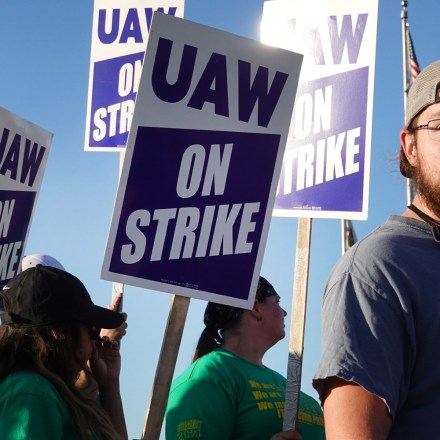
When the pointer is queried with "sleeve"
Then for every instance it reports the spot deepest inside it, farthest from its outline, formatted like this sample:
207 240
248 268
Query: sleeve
199 410
31 416
363 339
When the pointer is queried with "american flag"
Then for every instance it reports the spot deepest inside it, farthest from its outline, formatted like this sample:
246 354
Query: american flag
414 68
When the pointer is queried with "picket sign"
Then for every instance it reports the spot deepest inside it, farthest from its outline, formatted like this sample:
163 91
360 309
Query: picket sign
120 31
188 199
24 149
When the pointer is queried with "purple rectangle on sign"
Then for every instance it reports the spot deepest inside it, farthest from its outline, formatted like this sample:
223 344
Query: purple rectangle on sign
15 216
324 163
194 207
113 97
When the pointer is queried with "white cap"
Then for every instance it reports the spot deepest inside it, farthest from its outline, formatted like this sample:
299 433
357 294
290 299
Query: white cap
45 260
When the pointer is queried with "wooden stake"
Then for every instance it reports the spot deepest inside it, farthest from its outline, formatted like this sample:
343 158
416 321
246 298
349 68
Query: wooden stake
297 323
165 367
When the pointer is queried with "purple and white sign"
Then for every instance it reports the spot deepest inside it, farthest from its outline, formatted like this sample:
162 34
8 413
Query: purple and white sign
202 163
325 171
119 39
24 148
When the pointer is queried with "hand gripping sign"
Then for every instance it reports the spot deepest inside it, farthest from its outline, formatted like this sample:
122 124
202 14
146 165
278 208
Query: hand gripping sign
202 163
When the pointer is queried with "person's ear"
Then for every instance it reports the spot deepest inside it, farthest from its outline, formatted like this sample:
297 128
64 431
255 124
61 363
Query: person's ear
409 147
255 312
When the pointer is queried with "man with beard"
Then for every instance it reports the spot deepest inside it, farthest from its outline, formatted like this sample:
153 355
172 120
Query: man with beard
379 373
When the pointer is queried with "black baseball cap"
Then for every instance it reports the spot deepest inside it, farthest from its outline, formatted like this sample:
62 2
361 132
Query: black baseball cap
44 295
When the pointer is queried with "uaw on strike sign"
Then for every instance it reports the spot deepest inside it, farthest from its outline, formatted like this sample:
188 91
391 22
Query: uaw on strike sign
119 39
202 163
24 148
326 166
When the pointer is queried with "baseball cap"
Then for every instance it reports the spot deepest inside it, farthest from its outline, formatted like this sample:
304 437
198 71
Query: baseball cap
424 91
43 259
44 295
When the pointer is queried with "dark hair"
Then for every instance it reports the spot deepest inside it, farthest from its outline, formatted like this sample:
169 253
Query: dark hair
220 318
51 351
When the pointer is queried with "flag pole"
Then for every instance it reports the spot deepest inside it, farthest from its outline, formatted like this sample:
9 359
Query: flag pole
343 232
406 83
404 17
349 237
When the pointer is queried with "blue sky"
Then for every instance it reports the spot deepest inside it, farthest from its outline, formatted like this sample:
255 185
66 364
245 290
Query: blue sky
45 49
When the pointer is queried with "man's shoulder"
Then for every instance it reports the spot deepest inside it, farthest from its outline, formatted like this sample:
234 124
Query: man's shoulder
394 230
390 239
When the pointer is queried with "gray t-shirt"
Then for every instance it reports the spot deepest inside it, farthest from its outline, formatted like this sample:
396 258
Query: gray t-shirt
381 324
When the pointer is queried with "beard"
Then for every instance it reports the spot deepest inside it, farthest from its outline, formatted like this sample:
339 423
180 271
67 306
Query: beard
428 188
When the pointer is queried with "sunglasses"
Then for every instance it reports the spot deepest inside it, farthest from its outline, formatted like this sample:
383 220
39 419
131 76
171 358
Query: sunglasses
94 333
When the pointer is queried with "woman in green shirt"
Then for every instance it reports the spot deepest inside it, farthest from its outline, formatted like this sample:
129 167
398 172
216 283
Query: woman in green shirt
228 393
51 332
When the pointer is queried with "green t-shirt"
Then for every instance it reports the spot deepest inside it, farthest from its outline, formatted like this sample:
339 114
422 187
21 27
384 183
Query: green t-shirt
32 408
224 397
